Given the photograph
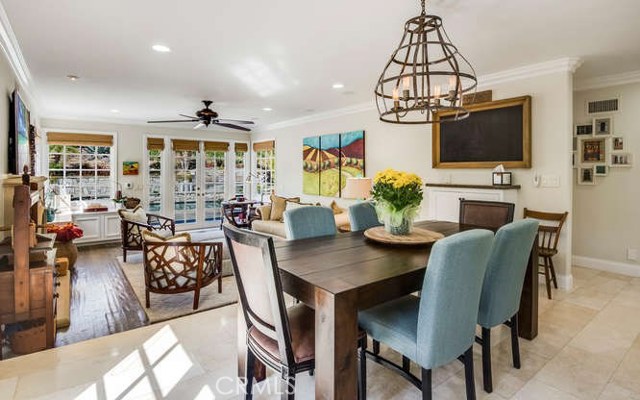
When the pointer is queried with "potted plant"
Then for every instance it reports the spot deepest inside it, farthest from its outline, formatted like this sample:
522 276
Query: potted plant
65 233
397 197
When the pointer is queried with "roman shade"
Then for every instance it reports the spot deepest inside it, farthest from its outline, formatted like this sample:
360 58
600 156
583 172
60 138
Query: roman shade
268 145
79 139
216 146
155 144
185 145
241 147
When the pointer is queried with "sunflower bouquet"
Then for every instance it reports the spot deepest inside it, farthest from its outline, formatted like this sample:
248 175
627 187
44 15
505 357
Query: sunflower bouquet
397 198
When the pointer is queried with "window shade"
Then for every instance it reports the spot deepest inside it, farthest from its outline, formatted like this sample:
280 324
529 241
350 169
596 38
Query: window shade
79 139
185 145
268 145
241 147
155 144
216 146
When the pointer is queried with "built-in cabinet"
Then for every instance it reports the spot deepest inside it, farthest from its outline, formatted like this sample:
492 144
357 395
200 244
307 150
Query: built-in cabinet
98 227
443 200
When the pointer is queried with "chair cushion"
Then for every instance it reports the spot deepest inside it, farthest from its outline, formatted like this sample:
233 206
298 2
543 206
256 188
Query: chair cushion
302 324
273 228
394 323
136 215
153 237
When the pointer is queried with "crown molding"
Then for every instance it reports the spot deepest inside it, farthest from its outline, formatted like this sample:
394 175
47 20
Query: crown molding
11 49
567 64
339 112
599 82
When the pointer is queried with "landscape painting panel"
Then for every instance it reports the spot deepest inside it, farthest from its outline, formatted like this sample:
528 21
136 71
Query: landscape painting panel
330 165
311 165
351 156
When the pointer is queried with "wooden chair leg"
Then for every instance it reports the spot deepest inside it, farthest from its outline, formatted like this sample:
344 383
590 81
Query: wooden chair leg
426 384
288 391
468 374
376 347
406 364
196 298
553 273
124 255
515 344
487 378
220 283
249 374
146 298
362 371
547 278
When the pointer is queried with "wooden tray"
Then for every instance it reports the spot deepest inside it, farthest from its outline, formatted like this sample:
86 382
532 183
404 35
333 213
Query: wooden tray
417 236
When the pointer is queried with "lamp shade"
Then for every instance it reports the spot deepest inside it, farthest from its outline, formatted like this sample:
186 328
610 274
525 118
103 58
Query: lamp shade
357 188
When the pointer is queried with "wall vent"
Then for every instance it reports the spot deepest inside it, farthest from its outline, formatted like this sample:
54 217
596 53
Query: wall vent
602 106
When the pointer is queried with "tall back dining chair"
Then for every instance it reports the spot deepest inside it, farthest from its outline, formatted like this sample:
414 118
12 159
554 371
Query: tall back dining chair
363 216
282 339
308 222
438 327
502 288
485 214
548 237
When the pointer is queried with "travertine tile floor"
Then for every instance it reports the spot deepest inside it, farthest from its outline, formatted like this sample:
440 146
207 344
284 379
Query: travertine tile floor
588 348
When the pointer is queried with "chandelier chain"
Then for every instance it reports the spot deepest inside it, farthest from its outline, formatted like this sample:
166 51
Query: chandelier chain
422 3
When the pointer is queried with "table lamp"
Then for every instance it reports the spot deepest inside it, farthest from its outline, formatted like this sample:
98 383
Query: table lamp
357 188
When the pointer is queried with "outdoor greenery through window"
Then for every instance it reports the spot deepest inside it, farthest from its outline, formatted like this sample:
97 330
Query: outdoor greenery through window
82 172
155 181
240 172
266 171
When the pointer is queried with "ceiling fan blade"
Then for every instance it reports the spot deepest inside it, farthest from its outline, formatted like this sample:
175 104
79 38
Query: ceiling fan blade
236 121
188 116
174 120
232 126
198 126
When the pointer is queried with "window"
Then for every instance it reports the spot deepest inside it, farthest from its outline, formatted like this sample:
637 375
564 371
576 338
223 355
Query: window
265 167
155 181
240 172
82 172
214 184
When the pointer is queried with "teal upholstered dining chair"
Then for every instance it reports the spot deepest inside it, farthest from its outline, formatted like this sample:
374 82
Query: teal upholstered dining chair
363 216
502 288
308 222
438 327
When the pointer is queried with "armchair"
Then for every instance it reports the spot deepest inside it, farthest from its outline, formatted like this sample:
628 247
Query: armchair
134 222
180 266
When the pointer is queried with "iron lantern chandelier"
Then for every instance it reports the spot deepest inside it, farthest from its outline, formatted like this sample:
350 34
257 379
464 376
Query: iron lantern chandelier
426 74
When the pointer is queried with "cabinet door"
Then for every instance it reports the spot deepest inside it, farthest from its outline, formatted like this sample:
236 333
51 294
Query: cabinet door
91 226
111 227
444 205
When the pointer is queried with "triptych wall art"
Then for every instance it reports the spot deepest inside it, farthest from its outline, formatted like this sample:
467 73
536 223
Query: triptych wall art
328 161
596 149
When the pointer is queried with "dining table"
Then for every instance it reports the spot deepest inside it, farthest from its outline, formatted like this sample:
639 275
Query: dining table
346 273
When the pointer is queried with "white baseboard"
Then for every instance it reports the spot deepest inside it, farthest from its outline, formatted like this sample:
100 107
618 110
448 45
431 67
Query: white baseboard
565 282
608 266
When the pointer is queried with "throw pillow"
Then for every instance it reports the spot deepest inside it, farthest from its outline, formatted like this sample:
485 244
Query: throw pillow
153 237
135 215
293 205
278 205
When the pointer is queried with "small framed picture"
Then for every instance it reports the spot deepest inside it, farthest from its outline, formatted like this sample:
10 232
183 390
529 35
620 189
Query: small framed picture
617 143
584 130
593 150
621 160
600 170
586 176
130 167
603 126
575 143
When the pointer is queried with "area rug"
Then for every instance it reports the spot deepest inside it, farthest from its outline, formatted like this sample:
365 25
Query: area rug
169 306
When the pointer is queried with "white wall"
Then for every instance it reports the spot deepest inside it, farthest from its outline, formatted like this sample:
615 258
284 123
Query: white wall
607 215
409 148
130 142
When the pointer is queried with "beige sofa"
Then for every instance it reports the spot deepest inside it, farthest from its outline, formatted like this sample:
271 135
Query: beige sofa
275 228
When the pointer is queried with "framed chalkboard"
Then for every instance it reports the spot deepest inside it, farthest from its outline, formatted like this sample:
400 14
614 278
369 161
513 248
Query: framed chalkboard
496 132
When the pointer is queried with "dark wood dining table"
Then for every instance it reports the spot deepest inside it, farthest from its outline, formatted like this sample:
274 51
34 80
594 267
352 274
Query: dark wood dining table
341 275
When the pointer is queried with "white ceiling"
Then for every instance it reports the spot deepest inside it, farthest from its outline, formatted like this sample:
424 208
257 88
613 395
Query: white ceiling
285 54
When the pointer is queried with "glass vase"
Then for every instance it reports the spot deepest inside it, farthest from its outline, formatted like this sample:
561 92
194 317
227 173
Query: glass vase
397 222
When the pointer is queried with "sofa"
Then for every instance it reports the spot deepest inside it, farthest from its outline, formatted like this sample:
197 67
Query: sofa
270 216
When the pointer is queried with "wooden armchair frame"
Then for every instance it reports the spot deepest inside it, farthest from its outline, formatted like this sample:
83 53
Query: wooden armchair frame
131 231
178 267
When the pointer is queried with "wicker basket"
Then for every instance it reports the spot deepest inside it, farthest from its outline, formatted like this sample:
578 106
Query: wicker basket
29 340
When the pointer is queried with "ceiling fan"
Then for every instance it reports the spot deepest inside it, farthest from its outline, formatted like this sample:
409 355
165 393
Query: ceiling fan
206 117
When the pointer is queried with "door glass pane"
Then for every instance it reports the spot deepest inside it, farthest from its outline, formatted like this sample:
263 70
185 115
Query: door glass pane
185 189
214 182
154 200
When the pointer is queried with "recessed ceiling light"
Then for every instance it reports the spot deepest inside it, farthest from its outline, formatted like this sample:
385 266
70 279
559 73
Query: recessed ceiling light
115 111
73 77
267 109
160 48
338 85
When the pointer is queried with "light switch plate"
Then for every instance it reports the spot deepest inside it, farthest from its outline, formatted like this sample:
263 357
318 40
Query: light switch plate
550 180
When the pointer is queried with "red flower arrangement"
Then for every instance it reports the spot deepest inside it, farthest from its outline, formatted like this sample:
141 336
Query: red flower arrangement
65 232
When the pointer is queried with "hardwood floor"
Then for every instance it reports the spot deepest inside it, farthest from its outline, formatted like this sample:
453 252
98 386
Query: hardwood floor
102 302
